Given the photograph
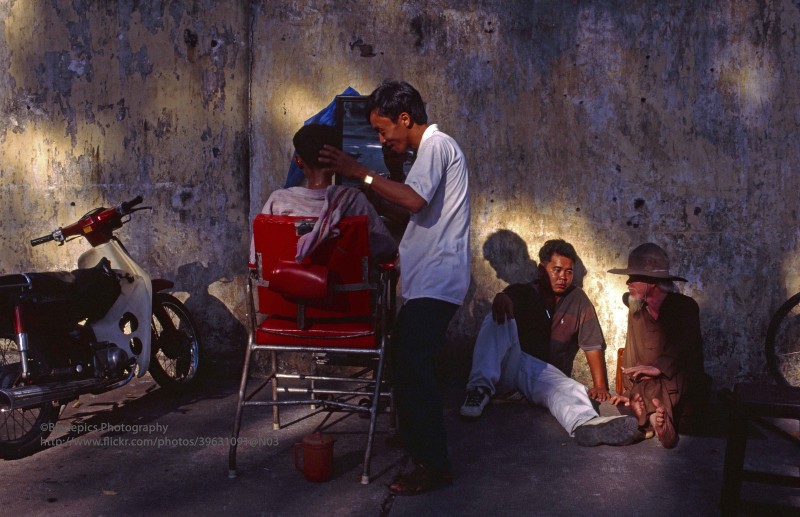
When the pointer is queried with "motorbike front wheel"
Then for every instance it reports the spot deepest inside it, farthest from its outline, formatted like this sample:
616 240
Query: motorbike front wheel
175 353
22 431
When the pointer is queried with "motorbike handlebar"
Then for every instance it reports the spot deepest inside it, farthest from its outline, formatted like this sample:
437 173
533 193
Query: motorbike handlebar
42 240
126 206
97 226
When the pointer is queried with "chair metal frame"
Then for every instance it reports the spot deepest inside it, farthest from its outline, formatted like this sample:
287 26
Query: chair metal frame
269 333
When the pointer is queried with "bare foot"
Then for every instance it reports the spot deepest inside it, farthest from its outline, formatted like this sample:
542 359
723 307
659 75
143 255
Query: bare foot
662 425
639 409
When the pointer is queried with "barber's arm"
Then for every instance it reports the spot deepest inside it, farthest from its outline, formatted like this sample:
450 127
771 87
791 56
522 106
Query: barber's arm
398 193
391 212
597 363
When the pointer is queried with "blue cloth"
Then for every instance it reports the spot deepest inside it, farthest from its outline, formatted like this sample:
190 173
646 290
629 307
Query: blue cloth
327 117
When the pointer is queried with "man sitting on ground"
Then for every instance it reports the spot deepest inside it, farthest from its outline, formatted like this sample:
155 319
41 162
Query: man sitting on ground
663 358
529 342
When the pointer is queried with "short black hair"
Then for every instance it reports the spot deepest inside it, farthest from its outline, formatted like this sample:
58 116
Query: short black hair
309 140
559 246
392 98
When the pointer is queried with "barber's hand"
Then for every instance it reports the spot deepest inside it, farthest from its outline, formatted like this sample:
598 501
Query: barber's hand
502 308
342 163
641 371
600 394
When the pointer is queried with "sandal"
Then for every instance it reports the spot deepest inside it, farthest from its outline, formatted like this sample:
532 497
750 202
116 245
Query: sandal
647 431
422 479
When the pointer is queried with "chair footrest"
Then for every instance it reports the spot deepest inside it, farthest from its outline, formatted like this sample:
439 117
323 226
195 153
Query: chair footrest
273 331
771 478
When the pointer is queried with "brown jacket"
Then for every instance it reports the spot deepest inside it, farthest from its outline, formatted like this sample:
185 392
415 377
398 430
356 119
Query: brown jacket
673 344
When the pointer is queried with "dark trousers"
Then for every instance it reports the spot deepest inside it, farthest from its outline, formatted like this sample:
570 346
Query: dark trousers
418 336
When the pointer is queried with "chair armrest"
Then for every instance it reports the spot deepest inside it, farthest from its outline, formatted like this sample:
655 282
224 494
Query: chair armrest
620 384
299 281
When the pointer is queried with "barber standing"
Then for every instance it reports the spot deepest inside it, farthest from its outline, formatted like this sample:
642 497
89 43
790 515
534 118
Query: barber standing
434 268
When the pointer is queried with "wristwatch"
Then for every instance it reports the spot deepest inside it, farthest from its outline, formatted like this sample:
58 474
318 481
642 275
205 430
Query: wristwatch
368 180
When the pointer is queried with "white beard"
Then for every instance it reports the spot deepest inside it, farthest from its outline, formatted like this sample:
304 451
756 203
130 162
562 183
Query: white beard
635 305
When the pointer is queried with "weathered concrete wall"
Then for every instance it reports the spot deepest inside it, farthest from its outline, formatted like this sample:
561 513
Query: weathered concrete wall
606 123
102 101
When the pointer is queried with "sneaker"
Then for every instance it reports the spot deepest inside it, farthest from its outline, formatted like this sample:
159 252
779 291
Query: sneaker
608 430
477 398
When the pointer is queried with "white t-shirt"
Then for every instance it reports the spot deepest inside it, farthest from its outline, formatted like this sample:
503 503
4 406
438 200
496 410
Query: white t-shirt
434 252
302 201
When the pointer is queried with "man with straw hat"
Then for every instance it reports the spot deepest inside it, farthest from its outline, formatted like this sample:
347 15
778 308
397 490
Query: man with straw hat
663 359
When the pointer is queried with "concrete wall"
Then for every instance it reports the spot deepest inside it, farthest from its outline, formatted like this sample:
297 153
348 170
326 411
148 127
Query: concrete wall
606 123
102 101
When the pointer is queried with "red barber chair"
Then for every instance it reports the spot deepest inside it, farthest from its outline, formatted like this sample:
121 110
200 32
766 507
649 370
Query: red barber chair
335 307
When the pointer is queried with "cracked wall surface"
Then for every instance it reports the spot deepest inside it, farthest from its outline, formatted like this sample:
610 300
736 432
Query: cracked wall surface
606 123
106 100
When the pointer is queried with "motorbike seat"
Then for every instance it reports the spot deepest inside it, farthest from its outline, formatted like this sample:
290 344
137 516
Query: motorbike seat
13 281
52 283
45 287
86 293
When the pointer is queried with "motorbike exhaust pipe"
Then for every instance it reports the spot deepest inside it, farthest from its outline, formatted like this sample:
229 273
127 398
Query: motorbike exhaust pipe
22 397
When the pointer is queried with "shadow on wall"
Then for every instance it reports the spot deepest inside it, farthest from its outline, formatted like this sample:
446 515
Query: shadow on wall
224 338
508 255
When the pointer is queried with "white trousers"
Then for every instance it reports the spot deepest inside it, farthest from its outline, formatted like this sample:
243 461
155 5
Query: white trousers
499 364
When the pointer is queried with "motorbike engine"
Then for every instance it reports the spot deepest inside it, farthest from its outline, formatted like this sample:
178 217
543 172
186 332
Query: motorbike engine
109 360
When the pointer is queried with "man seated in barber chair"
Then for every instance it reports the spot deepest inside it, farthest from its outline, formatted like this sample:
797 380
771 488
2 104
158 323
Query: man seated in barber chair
320 197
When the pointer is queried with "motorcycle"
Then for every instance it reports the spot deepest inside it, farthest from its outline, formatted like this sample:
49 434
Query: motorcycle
91 330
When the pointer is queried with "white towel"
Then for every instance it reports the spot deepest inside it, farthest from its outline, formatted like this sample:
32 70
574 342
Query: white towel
338 200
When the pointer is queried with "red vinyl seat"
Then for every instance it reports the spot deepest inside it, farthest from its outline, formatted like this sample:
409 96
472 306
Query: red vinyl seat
335 303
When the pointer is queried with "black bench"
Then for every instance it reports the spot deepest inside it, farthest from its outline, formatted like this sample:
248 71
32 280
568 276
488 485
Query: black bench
751 403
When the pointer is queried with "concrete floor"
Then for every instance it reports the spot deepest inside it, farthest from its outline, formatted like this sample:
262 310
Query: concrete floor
515 461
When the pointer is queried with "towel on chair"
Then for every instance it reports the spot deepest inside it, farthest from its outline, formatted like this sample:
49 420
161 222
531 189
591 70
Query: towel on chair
338 200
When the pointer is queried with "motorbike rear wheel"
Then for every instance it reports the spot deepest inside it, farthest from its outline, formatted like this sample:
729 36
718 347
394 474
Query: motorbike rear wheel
175 353
22 431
